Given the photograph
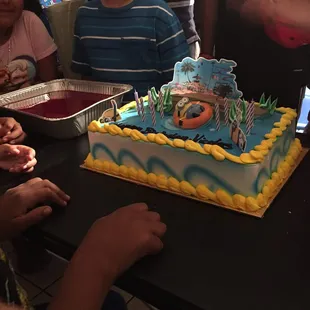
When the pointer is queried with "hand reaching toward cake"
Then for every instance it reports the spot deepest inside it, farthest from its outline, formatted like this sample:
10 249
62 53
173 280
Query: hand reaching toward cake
136 232
112 245
11 131
17 158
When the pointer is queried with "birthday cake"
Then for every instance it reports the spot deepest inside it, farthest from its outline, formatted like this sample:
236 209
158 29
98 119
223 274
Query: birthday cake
199 139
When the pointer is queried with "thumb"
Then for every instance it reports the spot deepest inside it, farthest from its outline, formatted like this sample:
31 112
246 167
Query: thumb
31 218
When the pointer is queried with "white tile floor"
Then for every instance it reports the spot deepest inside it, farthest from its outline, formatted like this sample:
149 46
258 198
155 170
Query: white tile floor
41 287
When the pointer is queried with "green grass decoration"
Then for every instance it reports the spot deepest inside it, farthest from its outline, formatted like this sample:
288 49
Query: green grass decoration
273 106
168 105
268 104
262 102
233 112
155 98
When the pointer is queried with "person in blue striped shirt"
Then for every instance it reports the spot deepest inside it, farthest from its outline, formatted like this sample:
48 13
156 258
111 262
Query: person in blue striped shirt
133 42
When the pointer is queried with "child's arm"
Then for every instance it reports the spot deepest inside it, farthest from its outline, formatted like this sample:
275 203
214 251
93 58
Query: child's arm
171 43
43 46
80 62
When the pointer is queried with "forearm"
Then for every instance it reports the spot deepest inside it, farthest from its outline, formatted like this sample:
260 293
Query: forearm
83 287
210 16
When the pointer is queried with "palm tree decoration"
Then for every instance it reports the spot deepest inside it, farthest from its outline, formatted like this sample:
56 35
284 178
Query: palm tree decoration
186 68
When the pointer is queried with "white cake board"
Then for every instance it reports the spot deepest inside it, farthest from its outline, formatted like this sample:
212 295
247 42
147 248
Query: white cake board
259 213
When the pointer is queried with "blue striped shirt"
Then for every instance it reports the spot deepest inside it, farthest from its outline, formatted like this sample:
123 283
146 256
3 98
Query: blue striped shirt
137 44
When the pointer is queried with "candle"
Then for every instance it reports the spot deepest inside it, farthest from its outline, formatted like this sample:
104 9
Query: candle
250 117
226 112
161 104
217 116
252 113
142 109
137 102
152 108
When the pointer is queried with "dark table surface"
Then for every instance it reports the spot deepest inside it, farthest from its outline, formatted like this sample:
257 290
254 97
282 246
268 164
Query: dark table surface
213 259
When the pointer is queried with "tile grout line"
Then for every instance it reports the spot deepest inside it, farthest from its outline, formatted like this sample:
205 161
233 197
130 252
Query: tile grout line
36 285
130 300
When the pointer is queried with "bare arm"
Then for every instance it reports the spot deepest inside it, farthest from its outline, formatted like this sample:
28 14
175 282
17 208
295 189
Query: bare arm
47 68
83 286
210 16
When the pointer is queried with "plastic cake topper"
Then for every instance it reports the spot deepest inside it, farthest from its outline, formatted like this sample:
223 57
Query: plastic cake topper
110 115
203 79
191 114
238 136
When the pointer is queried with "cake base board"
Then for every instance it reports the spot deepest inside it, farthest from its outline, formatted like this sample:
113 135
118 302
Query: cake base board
259 213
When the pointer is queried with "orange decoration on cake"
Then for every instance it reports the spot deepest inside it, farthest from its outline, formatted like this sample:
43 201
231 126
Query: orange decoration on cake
191 115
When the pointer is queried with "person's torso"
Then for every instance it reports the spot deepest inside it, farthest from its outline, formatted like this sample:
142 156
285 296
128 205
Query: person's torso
121 44
185 12
18 47
263 65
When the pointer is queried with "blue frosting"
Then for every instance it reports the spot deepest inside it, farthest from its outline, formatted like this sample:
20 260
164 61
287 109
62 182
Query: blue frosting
263 125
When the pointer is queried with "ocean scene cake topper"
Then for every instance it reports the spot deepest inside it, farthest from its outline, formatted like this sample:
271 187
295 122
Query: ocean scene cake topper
204 77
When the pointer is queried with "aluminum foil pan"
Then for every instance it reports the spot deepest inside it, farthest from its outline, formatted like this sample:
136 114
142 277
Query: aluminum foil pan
60 128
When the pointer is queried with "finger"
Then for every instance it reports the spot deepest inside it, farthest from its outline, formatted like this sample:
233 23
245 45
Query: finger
45 194
9 149
26 150
155 245
29 164
16 132
139 207
31 218
159 229
19 140
152 216
7 123
56 189
28 167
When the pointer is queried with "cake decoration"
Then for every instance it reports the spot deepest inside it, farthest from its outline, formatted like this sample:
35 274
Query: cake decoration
152 108
111 115
162 99
203 79
161 104
142 109
250 117
217 116
238 136
168 140
268 104
226 112
191 115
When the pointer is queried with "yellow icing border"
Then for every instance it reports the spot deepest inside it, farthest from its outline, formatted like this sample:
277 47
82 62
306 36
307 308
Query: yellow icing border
254 156
249 204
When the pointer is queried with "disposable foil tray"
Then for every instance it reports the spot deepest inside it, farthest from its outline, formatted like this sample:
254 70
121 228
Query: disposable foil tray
60 128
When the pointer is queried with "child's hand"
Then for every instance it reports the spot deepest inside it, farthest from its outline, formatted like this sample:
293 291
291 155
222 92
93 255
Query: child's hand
17 205
11 131
17 158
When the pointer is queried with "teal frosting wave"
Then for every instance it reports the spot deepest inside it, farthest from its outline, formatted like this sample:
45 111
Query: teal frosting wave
125 154
194 171
102 147
262 177
155 162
